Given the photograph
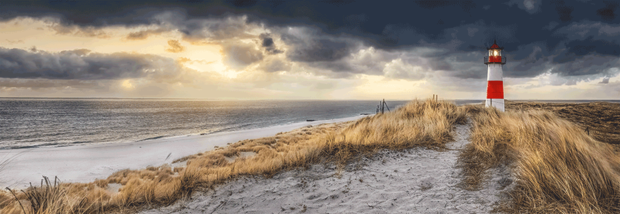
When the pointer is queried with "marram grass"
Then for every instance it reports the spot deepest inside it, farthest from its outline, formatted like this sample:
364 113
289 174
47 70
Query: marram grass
558 167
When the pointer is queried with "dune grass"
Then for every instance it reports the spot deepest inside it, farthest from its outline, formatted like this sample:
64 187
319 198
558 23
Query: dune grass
558 167
419 123
601 119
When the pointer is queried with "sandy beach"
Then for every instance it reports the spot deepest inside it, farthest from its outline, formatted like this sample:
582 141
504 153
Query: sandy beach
86 163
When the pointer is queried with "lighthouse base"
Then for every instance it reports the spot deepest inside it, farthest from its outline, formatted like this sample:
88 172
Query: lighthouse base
497 103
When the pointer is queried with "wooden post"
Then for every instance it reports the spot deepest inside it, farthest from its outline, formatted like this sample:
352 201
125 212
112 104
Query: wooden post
383 106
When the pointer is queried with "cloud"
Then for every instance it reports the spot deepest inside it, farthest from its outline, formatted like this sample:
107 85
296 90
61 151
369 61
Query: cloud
83 65
213 29
605 80
239 55
589 30
85 31
186 60
464 4
608 12
365 60
175 46
311 45
41 84
268 44
275 65
573 41
397 69
19 41
531 6
574 65
144 34
564 11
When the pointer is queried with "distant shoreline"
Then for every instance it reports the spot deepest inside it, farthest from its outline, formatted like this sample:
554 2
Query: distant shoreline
164 137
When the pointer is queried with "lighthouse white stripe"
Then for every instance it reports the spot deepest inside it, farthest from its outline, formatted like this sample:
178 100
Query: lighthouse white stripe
497 103
495 72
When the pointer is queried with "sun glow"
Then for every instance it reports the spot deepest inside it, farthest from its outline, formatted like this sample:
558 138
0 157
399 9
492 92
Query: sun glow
128 84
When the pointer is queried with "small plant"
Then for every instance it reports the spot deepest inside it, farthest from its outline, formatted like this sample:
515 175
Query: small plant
49 198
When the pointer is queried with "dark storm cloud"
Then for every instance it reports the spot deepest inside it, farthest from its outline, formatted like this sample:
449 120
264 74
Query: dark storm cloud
86 31
83 65
268 44
527 61
213 29
585 65
311 45
318 50
465 4
564 11
609 11
531 6
567 36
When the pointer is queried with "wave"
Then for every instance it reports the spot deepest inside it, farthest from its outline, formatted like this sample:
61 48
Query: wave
152 138
230 128
31 146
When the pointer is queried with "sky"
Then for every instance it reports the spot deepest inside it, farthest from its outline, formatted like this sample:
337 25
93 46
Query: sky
323 49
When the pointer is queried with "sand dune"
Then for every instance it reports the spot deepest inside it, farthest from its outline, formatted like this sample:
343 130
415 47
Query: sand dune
414 180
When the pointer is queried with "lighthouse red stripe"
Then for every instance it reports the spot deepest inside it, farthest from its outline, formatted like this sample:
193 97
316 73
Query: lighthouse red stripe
495 59
495 90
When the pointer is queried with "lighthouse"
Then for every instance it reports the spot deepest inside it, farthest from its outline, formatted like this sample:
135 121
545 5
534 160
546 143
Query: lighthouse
495 82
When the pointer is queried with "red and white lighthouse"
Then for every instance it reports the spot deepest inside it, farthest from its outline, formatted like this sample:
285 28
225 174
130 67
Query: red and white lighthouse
495 82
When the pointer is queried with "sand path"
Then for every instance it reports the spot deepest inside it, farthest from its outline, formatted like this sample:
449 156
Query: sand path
416 180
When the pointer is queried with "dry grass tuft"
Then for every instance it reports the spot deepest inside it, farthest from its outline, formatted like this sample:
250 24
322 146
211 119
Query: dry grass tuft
419 123
558 167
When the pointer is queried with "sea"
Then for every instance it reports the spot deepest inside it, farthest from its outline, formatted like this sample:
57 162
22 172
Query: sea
55 122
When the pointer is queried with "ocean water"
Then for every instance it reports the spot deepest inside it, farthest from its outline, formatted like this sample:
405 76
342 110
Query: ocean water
36 122
26 123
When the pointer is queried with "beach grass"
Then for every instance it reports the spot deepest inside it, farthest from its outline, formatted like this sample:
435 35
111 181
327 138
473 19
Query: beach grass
419 123
601 120
558 167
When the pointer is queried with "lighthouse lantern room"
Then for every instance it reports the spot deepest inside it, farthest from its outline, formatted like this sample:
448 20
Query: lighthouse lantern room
495 82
